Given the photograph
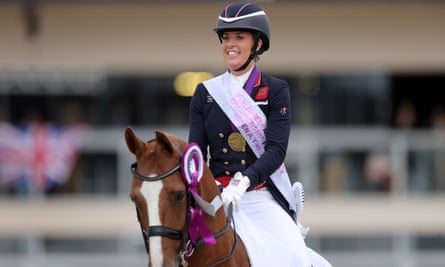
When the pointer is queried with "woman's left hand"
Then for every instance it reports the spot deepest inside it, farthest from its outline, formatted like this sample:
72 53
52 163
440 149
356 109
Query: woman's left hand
235 190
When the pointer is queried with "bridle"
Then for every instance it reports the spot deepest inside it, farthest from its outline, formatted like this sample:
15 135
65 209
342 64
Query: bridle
153 178
187 247
160 230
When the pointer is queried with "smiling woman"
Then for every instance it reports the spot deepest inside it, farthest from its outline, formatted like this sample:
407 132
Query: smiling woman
237 50
228 119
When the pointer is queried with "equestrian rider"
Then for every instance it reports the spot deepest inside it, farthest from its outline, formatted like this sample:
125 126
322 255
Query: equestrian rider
246 139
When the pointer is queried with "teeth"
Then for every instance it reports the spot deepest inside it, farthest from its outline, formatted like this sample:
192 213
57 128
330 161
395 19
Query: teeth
233 53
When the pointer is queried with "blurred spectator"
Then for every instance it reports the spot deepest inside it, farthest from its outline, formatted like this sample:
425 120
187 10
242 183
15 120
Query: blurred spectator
377 172
437 118
334 172
405 115
71 113
419 162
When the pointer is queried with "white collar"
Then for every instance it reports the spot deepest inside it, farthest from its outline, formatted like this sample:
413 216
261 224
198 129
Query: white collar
241 79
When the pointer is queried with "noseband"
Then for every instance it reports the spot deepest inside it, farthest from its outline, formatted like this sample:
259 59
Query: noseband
144 178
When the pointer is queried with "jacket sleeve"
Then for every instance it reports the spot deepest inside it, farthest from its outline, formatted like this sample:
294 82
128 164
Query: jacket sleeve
197 132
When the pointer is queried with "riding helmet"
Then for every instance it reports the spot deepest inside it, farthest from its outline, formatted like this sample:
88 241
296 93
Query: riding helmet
248 17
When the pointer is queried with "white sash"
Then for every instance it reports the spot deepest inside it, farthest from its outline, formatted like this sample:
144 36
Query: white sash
250 120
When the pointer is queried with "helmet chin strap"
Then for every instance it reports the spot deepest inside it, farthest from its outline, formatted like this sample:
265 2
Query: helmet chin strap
251 56
253 53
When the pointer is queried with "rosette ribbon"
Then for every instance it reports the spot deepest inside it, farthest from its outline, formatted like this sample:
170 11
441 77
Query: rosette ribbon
192 171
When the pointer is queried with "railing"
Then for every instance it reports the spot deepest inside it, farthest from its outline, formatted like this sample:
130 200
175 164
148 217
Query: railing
397 219
101 216
399 214
305 148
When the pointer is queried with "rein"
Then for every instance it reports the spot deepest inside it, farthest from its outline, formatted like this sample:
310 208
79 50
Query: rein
187 246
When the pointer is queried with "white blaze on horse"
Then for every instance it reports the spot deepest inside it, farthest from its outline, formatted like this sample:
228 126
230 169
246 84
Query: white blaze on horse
178 206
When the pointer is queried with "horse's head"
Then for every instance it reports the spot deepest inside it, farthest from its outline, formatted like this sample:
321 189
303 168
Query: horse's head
161 196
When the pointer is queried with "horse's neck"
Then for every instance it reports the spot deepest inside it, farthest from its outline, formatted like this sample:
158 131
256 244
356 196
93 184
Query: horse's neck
209 191
225 242
206 255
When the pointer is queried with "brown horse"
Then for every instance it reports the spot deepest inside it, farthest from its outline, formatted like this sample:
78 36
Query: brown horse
164 199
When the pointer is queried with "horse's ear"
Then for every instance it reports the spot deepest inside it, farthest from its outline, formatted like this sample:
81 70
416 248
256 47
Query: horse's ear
134 143
163 140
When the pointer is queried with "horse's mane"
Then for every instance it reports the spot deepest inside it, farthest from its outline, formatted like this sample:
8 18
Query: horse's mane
181 143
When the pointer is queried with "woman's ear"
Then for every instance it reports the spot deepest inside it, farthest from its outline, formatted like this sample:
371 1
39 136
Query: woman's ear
260 44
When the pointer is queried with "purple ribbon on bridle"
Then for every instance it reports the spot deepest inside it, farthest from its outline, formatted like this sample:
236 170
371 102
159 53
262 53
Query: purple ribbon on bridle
192 171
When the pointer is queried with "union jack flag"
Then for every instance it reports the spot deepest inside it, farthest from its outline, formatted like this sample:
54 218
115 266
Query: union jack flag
38 154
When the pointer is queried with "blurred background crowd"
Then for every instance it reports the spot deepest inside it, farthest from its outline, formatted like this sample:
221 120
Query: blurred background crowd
366 82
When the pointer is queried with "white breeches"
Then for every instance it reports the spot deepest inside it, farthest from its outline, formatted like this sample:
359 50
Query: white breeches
270 235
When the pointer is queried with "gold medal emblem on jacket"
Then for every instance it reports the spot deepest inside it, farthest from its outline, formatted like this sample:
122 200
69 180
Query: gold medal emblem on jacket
237 142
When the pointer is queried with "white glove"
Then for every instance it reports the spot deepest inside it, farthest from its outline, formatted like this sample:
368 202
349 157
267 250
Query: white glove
235 190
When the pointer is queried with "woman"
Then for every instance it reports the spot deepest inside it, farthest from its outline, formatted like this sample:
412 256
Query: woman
241 120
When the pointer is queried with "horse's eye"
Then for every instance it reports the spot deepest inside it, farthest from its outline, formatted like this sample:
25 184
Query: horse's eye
179 196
